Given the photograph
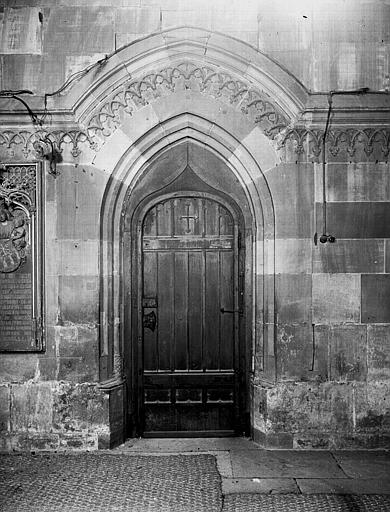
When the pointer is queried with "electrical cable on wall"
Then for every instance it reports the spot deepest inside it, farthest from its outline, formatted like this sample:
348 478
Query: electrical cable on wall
53 156
325 237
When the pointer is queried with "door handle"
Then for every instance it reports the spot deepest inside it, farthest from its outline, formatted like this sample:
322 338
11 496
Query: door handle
150 321
239 311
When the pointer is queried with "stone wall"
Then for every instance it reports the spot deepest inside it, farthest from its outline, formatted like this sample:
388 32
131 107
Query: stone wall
327 45
329 386
333 313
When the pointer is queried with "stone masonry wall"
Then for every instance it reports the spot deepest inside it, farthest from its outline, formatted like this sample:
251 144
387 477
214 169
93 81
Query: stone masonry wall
327 45
332 300
333 315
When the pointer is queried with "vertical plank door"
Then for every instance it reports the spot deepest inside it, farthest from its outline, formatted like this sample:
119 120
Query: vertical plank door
190 319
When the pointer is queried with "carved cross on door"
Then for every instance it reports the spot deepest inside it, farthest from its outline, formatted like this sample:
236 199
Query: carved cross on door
188 218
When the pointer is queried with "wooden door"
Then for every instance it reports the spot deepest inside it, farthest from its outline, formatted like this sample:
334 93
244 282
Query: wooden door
190 319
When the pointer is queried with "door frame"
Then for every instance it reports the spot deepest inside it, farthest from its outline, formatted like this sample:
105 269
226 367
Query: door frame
132 311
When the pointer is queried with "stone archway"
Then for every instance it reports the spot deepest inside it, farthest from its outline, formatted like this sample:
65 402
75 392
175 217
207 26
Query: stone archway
178 87
248 178
188 170
135 125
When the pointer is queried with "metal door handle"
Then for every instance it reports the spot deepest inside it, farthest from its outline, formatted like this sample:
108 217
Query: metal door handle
223 311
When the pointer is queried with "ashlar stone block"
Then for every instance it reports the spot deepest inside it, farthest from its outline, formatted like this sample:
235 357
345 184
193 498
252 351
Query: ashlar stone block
292 190
32 406
378 352
336 298
375 298
349 256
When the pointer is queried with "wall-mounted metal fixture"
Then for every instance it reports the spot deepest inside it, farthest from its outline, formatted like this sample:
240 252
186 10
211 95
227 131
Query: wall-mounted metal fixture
47 150
325 237
44 147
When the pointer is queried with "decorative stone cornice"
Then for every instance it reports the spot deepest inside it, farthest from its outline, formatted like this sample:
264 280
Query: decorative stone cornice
347 139
134 93
27 141
301 140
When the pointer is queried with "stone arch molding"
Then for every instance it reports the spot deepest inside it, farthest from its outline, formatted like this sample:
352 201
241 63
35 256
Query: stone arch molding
185 75
128 172
172 62
213 64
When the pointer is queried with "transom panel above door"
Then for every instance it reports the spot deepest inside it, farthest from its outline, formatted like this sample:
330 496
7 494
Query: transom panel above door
190 316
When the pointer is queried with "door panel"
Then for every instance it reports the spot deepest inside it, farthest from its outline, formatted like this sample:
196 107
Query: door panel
189 283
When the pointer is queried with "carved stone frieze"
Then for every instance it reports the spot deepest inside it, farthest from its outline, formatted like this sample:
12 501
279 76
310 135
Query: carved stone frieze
17 192
210 81
303 141
30 142
348 140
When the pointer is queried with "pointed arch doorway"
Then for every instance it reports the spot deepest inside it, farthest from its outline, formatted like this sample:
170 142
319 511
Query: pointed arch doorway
186 325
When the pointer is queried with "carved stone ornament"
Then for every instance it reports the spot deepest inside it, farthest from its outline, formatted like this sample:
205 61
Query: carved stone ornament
21 283
17 187
207 80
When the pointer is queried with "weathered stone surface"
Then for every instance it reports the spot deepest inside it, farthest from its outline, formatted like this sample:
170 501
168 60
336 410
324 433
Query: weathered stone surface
344 486
79 30
78 201
78 442
341 353
295 351
76 369
136 20
18 71
78 299
362 464
77 352
356 219
325 415
260 486
79 407
48 367
378 352
280 440
375 298
293 298
349 256
21 31
17 368
312 441
292 188
286 464
302 407
336 298
293 255
355 181
32 406
5 408
372 406
78 258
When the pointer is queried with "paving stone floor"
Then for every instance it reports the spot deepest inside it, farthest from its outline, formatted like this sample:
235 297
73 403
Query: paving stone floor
226 475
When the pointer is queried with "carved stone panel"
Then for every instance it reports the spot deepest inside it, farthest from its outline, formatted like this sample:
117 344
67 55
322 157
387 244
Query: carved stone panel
21 288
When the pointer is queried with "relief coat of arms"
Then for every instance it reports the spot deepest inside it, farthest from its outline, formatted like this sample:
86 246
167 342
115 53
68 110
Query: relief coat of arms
15 208
13 236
